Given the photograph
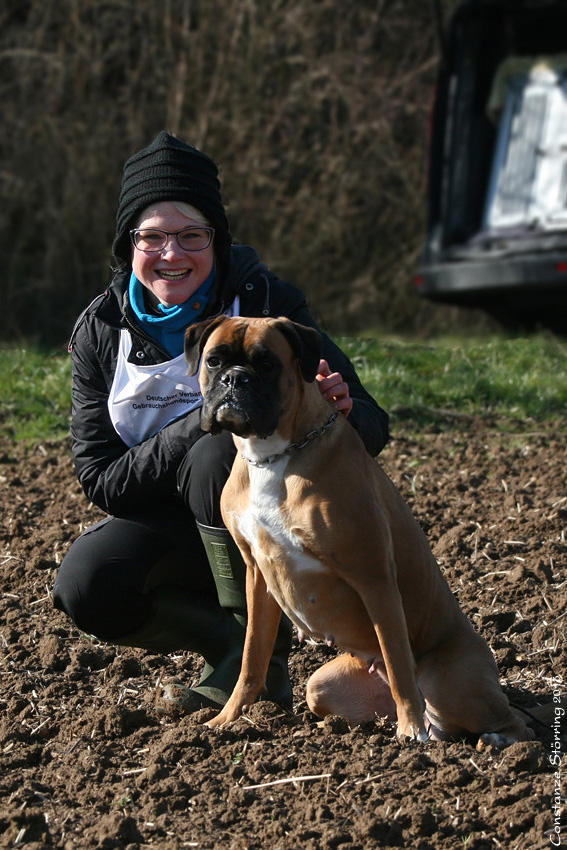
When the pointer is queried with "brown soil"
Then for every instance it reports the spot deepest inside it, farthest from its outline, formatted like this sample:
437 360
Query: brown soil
88 762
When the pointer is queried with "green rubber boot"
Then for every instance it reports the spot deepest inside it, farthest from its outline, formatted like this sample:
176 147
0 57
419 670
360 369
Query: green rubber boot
218 679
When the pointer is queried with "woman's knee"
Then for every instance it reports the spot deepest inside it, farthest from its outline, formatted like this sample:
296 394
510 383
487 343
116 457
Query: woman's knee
85 590
106 580
100 583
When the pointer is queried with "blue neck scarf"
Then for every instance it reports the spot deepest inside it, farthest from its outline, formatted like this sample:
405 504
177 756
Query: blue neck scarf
168 328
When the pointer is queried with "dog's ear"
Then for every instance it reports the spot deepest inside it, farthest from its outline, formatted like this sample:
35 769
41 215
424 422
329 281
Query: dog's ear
306 345
195 338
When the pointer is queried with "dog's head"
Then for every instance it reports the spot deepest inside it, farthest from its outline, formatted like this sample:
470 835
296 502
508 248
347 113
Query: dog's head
249 368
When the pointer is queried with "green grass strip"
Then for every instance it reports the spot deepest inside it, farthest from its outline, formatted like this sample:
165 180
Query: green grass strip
35 388
441 381
508 378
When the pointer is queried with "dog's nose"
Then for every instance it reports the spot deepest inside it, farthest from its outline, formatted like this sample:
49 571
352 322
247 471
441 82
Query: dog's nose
235 376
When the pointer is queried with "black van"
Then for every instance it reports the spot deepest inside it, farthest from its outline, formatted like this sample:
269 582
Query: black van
497 183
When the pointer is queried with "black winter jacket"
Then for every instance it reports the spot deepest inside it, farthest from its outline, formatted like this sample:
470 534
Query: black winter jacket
123 480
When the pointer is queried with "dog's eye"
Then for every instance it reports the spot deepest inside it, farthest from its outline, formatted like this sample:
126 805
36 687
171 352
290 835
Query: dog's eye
266 363
213 361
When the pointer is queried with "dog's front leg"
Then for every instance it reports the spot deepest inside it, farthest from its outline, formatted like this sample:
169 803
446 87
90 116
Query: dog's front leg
383 603
400 667
264 616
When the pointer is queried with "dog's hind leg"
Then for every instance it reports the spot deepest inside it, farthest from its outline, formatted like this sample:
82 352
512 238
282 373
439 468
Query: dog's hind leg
344 687
460 683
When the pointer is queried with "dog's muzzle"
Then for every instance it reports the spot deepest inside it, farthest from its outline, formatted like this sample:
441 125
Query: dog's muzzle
234 377
239 402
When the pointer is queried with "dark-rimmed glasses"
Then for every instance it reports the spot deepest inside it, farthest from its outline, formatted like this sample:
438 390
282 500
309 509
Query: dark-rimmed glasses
152 240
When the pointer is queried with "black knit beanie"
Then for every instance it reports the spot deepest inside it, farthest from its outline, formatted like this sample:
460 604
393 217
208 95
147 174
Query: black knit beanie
170 170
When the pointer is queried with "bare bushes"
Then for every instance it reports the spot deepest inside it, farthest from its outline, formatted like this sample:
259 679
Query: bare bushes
316 113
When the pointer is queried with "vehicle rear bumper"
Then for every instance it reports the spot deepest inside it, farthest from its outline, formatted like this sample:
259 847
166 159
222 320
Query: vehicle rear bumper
475 281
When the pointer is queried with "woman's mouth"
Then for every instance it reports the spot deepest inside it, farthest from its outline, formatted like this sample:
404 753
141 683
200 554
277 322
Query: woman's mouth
172 274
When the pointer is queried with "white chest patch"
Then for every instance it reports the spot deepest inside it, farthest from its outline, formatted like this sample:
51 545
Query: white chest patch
264 512
264 507
306 589
264 516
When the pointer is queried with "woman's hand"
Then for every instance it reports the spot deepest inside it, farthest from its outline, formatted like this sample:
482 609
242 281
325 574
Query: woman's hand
334 388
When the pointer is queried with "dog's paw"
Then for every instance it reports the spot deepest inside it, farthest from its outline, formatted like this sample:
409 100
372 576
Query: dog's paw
494 739
228 715
215 721
412 733
222 719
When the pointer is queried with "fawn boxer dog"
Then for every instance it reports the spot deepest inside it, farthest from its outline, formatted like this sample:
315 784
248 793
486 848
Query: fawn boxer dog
328 539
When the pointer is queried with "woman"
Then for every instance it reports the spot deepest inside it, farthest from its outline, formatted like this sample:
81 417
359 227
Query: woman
161 571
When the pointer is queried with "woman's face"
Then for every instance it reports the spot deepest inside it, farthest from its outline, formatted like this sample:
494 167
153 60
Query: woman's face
171 275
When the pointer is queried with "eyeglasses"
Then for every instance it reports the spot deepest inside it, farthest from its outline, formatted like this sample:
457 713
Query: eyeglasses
188 239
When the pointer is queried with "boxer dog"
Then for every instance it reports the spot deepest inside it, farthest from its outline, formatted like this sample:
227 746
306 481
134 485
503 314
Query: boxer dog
328 539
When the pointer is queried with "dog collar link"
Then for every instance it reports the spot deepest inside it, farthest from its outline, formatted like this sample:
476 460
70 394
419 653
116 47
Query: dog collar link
312 435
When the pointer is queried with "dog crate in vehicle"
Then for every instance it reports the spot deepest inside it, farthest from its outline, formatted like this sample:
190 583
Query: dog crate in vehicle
497 189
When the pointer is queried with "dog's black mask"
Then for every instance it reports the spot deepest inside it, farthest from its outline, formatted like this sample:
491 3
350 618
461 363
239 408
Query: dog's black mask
241 397
242 391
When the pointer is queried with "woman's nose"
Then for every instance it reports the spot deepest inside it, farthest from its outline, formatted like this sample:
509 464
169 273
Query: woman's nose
172 247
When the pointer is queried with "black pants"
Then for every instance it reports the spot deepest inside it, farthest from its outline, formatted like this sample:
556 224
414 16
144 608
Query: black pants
105 581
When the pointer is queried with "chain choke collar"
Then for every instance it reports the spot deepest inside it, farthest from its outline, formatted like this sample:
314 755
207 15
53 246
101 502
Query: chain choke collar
294 447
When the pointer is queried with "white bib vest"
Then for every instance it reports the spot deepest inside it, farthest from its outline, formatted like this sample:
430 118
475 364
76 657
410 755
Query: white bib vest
144 399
